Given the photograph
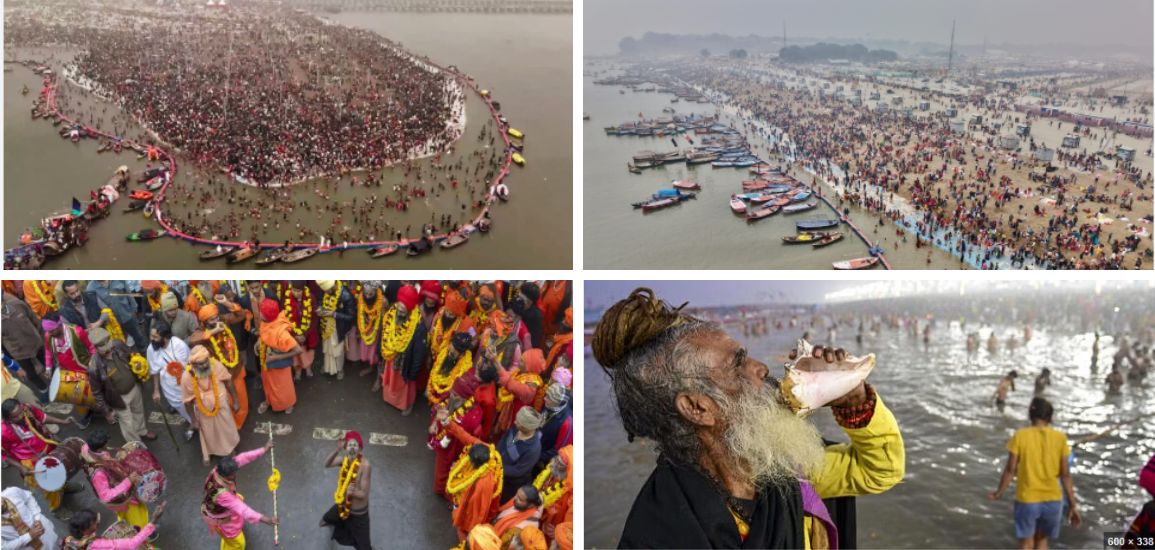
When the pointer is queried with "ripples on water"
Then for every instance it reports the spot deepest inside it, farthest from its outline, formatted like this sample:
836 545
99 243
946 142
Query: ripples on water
955 438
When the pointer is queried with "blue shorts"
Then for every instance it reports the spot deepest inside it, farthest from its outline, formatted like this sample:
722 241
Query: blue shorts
1043 517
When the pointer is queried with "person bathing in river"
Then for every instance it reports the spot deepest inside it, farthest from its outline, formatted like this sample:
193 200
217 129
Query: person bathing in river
1006 385
1114 381
1037 459
1042 381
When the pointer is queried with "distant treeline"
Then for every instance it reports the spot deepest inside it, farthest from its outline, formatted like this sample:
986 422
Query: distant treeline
672 44
822 52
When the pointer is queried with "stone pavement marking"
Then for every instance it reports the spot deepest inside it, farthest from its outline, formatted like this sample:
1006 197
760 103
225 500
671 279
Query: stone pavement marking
278 429
156 418
333 434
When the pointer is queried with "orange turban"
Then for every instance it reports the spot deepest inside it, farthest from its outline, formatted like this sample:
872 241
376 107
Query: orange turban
569 316
534 361
455 303
563 534
150 285
532 539
483 537
207 312
270 309
566 454
499 324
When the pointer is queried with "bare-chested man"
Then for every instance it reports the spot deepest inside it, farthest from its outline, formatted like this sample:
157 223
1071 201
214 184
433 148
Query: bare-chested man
1006 385
349 516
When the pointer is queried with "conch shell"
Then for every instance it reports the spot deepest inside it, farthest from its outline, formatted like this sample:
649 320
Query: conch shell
810 382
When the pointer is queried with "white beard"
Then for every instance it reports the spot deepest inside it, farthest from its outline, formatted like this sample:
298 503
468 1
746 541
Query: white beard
769 442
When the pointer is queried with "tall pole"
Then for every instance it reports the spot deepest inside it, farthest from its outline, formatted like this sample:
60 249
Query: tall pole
950 56
783 34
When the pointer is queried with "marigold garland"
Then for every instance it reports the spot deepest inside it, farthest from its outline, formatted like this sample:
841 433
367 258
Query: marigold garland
329 303
369 333
505 397
349 471
113 326
396 338
551 494
216 393
230 355
459 481
48 299
302 326
155 303
440 384
139 366
442 337
199 296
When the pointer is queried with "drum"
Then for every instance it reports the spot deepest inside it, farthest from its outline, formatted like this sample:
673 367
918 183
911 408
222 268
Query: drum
55 468
123 530
137 459
71 387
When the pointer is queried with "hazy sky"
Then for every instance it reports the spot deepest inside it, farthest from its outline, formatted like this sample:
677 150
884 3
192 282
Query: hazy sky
1124 22
713 293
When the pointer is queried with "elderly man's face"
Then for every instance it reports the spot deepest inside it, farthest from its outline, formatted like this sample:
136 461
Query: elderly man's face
730 369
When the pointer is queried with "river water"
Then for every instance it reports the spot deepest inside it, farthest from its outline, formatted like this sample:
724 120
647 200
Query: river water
701 233
955 439
42 172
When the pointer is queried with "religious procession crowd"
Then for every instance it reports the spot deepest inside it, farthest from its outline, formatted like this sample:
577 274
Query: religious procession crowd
491 361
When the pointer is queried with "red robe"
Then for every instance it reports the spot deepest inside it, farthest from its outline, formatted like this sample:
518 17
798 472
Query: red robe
444 458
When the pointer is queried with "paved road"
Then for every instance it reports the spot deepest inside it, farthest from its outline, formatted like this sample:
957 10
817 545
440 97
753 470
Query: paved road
404 511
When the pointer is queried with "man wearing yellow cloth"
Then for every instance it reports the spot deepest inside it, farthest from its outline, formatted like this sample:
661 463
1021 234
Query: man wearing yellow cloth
738 468
205 384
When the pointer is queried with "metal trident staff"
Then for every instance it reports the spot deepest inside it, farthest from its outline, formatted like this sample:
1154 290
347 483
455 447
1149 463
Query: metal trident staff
274 482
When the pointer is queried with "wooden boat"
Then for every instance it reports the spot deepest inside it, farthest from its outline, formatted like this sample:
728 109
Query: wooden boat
795 208
737 205
457 239
659 204
382 251
802 225
857 263
146 235
759 198
241 255
298 255
418 247
135 205
140 195
687 185
800 196
633 168
154 183
217 252
271 257
828 239
484 224
806 237
764 212
517 144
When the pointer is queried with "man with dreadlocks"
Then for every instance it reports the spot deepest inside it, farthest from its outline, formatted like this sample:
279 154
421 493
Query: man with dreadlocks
737 467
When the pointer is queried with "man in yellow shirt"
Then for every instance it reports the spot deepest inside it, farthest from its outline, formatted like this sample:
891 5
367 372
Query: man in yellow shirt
737 468
1037 459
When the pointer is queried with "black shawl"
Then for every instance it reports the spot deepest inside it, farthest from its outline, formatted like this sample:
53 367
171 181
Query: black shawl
678 507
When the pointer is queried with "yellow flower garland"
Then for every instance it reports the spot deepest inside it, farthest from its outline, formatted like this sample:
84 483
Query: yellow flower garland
505 397
329 303
549 495
369 333
441 337
155 303
306 313
396 339
230 345
459 481
439 384
139 366
49 299
199 295
113 326
348 473
216 393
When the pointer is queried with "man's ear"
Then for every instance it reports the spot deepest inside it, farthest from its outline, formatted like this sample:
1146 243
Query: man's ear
697 408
